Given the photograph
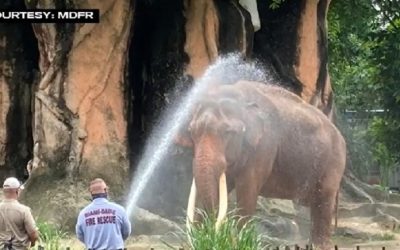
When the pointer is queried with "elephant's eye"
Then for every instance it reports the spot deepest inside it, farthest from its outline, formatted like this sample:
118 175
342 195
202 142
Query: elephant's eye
235 129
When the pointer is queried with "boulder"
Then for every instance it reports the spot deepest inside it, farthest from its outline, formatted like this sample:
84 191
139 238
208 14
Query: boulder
147 223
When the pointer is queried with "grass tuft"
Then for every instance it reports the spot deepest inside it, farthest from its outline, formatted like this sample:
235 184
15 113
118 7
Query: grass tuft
230 235
49 236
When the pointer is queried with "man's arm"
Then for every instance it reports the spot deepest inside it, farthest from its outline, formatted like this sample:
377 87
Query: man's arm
30 227
79 230
126 225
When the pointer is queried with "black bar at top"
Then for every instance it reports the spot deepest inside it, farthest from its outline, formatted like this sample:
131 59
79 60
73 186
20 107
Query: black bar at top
49 16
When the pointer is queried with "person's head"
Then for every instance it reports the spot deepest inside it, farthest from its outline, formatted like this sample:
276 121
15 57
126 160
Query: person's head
11 188
98 186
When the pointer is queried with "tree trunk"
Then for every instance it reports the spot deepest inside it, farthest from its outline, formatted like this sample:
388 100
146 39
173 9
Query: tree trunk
79 128
293 41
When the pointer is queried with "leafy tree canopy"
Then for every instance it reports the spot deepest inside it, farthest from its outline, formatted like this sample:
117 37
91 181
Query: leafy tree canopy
364 55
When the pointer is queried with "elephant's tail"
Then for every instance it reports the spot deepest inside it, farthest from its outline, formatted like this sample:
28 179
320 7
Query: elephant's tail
336 208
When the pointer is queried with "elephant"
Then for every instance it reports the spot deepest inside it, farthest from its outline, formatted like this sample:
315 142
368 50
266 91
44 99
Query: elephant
261 139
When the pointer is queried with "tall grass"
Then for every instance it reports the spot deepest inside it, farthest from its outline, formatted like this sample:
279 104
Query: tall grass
49 236
230 235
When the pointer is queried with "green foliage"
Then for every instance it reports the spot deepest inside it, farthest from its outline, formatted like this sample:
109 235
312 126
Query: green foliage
275 4
229 235
358 146
364 62
385 159
49 236
386 55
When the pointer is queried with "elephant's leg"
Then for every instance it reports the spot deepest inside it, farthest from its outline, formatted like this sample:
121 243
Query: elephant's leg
247 190
321 218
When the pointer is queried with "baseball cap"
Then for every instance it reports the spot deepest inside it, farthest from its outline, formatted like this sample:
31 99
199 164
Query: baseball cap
12 183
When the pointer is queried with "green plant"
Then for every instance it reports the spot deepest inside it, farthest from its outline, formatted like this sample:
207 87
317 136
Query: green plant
49 236
229 235
275 4
383 237
382 152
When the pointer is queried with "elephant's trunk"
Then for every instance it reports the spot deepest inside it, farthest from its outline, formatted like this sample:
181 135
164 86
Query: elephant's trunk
209 181
206 179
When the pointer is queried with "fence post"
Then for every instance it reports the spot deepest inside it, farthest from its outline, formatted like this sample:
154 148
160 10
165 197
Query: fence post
358 247
336 247
383 248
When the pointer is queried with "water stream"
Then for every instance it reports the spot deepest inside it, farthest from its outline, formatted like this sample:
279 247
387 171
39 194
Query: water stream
155 152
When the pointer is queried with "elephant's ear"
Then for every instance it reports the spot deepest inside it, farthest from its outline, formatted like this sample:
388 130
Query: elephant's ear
183 137
254 124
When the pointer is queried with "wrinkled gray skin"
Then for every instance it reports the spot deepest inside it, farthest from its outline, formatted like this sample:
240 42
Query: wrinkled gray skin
269 142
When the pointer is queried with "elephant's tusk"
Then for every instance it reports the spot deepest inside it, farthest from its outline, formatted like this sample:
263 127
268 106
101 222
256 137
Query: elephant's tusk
191 205
223 200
